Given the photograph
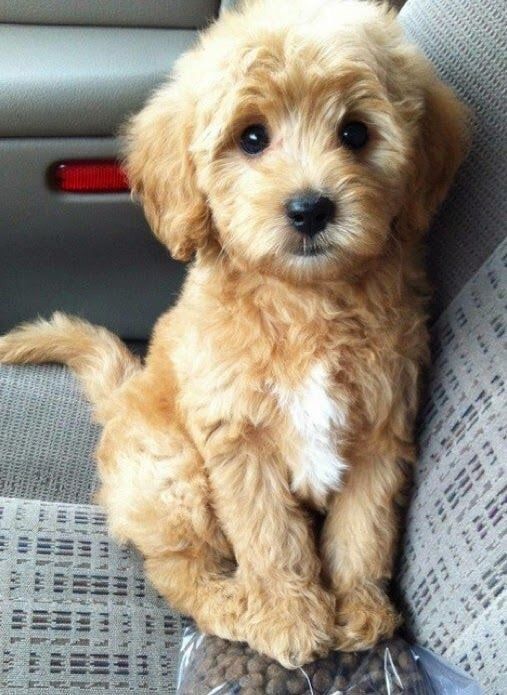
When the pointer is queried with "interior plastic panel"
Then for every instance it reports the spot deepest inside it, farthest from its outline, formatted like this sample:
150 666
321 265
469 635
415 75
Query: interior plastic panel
65 92
182 14
92 255
66 81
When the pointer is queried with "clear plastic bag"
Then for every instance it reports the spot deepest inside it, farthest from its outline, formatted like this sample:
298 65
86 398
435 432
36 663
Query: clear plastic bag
444 678
212 666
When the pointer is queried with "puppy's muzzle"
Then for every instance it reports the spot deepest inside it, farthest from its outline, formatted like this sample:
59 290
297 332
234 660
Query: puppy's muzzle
310 213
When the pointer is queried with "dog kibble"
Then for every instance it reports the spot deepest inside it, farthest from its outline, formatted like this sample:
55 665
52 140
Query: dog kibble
340 683
214 649
252 680
208 662
235 671
227 660
235 668
403 660
277 686
322 679
274 670
215 680
347 659
296 686
256 665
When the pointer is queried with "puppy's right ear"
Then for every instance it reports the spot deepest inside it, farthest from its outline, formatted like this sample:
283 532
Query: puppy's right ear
162 173
440 148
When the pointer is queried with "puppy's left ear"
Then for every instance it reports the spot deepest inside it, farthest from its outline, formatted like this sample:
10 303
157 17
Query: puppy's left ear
162 172
441 146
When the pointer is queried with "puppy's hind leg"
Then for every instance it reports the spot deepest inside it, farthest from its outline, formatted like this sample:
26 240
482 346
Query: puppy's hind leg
156 494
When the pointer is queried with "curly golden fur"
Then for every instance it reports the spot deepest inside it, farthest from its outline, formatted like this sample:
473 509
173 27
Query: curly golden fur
282 382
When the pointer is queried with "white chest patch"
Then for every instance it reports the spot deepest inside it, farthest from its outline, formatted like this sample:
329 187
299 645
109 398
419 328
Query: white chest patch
317 419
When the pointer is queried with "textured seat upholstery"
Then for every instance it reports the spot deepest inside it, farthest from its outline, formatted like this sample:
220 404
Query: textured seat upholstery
466 41
452 570
46 436
75 612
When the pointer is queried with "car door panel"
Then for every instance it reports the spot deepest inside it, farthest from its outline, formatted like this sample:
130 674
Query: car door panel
67 87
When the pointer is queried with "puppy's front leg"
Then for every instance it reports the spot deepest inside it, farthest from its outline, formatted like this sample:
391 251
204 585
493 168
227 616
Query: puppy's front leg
289 616
358 547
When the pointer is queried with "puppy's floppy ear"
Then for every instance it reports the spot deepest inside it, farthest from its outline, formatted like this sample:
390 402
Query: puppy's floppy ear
440 148
161 170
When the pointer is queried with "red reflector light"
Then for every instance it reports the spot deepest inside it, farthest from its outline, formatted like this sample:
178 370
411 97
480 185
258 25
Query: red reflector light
90 176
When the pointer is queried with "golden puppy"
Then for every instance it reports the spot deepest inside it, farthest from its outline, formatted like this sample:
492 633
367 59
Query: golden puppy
299 154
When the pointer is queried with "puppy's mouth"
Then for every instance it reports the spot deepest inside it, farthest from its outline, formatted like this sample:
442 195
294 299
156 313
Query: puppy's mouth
309 248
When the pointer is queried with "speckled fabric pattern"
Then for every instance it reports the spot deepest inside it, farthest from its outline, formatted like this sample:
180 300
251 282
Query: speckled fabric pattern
46 439
454 557
467 43
75 611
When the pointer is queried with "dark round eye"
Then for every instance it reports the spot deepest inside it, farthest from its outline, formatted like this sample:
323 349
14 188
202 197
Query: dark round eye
254 139
354 135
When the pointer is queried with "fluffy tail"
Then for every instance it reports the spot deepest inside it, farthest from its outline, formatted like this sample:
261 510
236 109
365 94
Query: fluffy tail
97 356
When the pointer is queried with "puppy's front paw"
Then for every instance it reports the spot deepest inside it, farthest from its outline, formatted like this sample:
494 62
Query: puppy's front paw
293 630
364 617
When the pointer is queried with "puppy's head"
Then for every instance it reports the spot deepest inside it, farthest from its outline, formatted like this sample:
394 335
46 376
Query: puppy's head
296 137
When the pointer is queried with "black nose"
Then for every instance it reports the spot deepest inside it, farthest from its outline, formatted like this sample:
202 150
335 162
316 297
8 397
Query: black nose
310 213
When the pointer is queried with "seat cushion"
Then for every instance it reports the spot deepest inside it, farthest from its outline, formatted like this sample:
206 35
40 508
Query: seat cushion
453 564
467 43
75 611
46 436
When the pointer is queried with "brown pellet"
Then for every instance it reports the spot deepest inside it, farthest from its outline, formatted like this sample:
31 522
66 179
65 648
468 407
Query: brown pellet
235 671
256 664
296 685
252 680
276 686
